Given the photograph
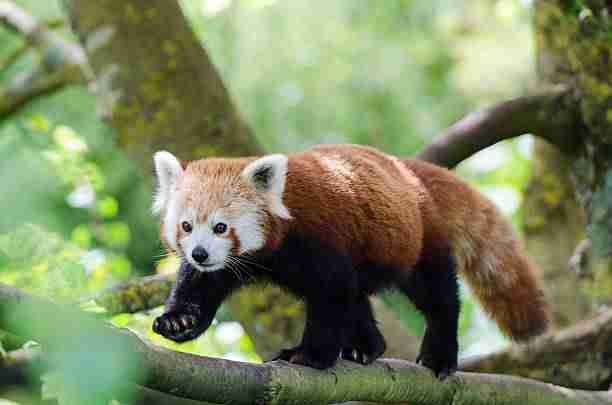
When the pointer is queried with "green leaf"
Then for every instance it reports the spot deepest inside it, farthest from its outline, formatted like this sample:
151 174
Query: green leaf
108 207
116 234
81 236
39 123
120 267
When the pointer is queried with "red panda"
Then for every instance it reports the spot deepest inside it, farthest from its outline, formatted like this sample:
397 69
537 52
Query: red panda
333 225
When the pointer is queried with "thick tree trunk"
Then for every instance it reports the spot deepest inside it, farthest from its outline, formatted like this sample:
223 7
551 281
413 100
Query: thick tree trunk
155 83
574 47
553 227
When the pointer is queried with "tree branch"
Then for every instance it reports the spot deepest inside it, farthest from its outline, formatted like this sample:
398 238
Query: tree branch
576 357
38 34
222 381
63 61
33 84
13 57
549 114
136 295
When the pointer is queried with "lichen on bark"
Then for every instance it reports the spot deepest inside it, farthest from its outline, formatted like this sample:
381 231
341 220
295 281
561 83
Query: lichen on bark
574 44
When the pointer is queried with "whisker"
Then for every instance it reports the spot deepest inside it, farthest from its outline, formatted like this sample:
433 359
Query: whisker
253 263
246 269
231 265
241 267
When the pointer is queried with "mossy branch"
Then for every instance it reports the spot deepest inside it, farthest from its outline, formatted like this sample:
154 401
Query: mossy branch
223 381
139 294
549 114
576 357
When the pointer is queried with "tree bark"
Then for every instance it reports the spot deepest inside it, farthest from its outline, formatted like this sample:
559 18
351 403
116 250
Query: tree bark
215 380
553 224
570 191
155 83
575 357
535 113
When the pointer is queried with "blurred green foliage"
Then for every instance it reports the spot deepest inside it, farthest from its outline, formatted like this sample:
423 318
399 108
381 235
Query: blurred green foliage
391 74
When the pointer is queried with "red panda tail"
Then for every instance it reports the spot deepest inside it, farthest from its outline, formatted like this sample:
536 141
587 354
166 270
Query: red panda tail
504 280
489 254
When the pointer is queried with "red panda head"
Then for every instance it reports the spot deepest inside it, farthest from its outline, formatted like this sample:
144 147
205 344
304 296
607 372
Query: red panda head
215 209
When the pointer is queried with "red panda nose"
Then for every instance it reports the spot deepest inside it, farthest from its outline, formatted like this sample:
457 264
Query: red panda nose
199 254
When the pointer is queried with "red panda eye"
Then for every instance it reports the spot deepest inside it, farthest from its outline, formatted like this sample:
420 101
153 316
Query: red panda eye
220 228
186 226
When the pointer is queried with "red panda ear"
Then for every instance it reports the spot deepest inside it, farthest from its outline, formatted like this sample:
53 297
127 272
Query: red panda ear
267 175
168 169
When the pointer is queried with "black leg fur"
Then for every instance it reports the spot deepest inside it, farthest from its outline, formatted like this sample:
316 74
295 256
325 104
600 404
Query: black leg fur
193 302
328 283
434 290
366 343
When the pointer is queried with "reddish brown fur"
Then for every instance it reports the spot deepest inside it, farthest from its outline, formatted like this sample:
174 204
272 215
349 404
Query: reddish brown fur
490 255
390 212
235 241
385 227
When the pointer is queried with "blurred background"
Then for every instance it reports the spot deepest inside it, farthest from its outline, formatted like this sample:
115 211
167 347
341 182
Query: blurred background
76 208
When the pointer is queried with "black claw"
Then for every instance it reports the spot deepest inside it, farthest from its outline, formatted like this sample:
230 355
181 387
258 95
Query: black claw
179 327
175 327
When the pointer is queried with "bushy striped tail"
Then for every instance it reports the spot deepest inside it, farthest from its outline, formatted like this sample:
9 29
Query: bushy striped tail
505 282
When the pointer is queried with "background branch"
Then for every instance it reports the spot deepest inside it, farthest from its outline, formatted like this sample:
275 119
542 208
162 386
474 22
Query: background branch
38 82
207 379
576 357
536 114
63 62
38 34
139 294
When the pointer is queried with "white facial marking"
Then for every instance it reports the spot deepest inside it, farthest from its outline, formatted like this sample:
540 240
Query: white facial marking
248 228
171 220
168 170
268 175
217 246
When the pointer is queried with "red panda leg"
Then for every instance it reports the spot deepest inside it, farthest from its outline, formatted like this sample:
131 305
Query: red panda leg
192 303
323 338
327 331
366 343
433 288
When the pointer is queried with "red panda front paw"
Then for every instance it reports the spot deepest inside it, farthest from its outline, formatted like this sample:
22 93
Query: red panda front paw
179 327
